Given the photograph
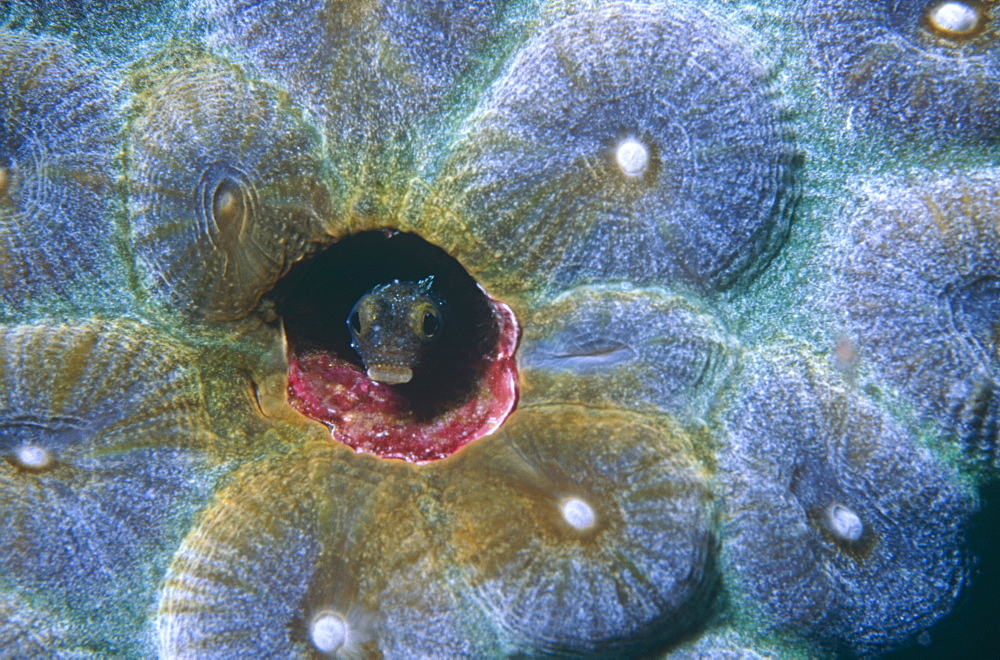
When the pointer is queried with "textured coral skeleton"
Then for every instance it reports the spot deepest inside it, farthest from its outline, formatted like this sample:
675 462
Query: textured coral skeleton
718 369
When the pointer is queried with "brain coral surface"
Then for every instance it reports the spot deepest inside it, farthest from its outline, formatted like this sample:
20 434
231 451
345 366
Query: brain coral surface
500 328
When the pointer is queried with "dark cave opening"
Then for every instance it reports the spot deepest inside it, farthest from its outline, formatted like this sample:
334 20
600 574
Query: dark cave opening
463 383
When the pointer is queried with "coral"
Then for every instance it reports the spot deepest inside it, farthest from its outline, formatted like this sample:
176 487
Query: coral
27 631
827 540
251 553
728 645
917 273
598 140
304 44
226 191
331 550
917 66
437 40
398 76
57 144
712 372
628 348
583 532
103 441
407 52
116 28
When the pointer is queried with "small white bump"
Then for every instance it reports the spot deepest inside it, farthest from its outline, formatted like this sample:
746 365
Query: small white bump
577 513
844 523
328 631
632 157
33 457
954 17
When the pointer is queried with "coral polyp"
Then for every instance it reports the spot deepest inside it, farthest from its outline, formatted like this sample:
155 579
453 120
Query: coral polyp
631 348
102 446
226 191
919 294
854 502
916 66
57 146
497 329
599 138
583 532
278 542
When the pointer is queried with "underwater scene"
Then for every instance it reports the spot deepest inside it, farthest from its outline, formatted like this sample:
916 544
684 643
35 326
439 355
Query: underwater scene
499 328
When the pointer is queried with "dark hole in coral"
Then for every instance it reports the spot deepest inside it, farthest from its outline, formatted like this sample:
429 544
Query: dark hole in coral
316 298
356 322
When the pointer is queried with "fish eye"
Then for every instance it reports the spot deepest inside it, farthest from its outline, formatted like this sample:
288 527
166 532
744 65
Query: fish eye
431 324
363 315
425 320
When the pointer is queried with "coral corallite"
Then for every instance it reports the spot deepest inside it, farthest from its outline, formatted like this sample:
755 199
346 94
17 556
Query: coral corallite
501 328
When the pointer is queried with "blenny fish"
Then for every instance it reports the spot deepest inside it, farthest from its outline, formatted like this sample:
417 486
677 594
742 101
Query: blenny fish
392 325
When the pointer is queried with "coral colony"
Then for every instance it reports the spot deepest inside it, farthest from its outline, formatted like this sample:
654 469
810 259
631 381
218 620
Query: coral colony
518 328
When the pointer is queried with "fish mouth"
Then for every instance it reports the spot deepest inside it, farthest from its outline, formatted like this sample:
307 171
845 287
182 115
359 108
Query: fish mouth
390 374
